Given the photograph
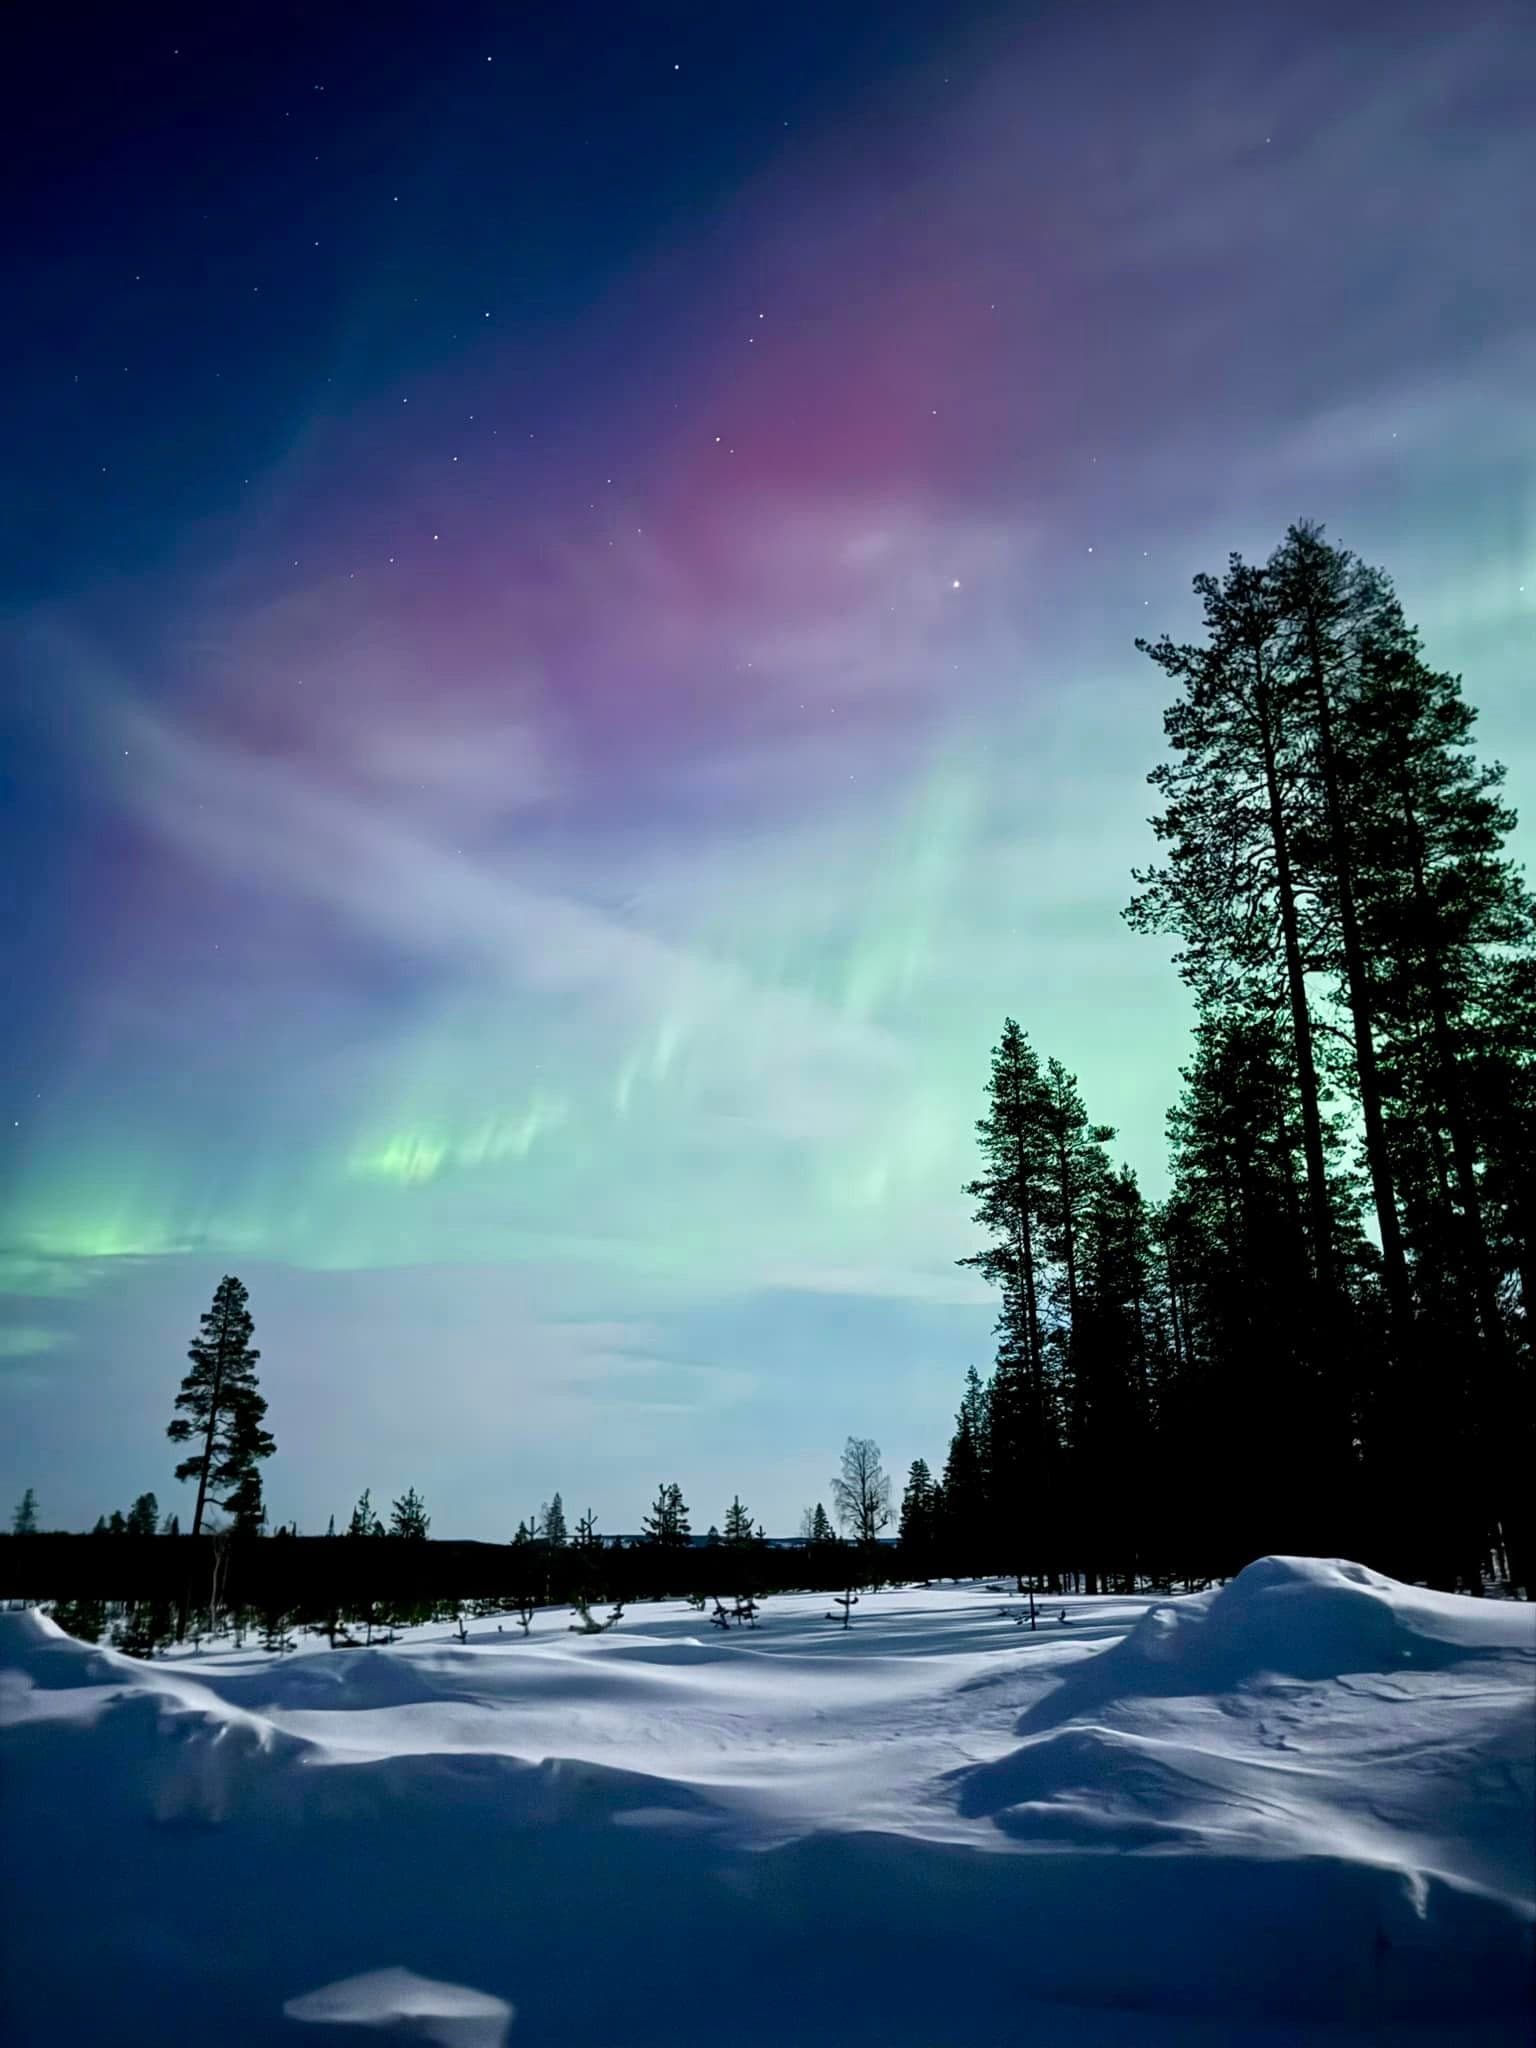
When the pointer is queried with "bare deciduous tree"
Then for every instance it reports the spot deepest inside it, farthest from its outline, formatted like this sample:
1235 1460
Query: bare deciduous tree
861 1493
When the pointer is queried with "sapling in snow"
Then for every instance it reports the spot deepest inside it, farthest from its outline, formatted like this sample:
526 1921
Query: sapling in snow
847 1601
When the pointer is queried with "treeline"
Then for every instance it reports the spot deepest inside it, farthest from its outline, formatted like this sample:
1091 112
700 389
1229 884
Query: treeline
1321 1339
142 1590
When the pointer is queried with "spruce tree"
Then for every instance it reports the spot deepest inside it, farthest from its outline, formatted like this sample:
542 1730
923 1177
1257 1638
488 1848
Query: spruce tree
222 1411
738 1525
144 1516
409 1517
917 1530
666 1525
24 1521
364 1521
552 1522
1016 1149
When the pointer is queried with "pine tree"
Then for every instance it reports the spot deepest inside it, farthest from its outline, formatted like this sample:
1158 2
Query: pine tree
246 1504
1110 1385
963 1510
222 1411
1322 604
738 1525
144 1516
917 1531
1238 799
1016 1148
24 1521
409 1517
666 1525
364 1521
552 1522
1433 931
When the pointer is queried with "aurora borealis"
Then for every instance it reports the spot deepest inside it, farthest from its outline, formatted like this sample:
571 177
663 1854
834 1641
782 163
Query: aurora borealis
570 581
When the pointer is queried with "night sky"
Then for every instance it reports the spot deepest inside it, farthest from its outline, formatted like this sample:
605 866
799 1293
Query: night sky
569 579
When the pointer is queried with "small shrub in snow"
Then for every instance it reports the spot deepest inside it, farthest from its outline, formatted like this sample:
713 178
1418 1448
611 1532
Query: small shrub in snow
847 1601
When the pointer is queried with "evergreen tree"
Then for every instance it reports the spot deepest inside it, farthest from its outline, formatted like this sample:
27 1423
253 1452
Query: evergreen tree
1031 1151
222 1411
666 1525
1238 800
1016 1149
1323 604
85 1619
24 1521
1111 1383
1074 1177
816 1526
964 1491
738 1525
144 1516
552 1522
588 1555
364 1521
917 1531
246 1504
409 1517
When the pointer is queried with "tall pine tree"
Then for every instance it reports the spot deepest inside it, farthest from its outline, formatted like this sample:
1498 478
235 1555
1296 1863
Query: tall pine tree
222 1411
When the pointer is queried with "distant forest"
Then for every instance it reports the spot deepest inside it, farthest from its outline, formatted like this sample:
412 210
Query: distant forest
1321 1341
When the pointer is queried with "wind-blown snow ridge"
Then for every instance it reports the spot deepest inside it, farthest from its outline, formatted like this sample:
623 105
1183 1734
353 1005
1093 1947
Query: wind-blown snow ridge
1299 1808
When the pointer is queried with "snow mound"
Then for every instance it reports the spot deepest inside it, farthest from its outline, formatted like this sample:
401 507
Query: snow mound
32 1643
410 2006
1297 1618
1297 1812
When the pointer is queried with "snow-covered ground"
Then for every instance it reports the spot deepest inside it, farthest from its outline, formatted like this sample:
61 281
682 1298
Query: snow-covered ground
1298 1810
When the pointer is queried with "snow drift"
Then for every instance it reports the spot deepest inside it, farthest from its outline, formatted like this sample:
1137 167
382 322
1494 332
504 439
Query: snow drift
1300 1808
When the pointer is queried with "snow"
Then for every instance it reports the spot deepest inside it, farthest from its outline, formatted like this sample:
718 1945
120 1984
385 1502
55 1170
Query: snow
1297 1810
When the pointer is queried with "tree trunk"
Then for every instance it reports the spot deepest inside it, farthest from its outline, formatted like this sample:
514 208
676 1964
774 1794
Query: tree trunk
1318 1212
215 1394
1394 1261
